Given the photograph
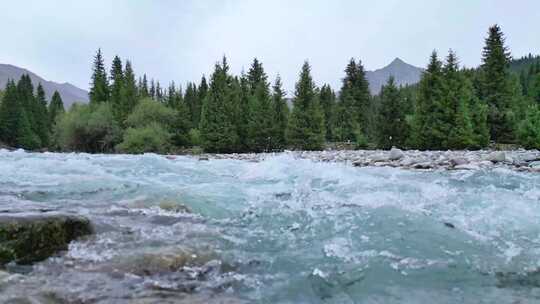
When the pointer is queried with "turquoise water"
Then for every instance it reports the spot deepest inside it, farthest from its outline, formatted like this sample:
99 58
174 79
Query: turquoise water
282 230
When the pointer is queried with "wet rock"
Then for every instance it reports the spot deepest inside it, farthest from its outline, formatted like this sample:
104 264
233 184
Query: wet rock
26 238
174 207
458 161
165 261
518 279
203 158
396 154
497 157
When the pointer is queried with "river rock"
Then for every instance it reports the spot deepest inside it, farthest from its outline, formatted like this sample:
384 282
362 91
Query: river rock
458 161
26 238
396 154
497 157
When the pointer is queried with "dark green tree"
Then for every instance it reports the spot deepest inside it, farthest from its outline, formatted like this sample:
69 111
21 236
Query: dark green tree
99 87
56 108
41 117
191 99
281 116
429 127
391 125
128 93
306 124
354 102
9 114
495 87
117 84
218 131
327 98
260 117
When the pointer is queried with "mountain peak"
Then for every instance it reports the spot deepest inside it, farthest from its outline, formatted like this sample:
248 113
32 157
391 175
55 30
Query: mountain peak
403 73
397 61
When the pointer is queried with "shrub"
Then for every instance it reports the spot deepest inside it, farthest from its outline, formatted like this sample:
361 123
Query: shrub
149 111
529 129
88 128
150 138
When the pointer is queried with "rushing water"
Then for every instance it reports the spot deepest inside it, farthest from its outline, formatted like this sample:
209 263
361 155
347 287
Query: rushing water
282 230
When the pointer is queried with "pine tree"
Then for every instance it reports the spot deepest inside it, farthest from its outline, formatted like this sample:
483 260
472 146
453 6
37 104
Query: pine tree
143 88
259 125
192 102
31 113
429 122
99 87
9 114
117 84
391 124
327 98
128 94
495 86
354 101
152 90
281 116
42 117
56 108
218 132
529 128
306 124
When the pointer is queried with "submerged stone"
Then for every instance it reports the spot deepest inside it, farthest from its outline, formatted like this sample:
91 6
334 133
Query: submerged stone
26 238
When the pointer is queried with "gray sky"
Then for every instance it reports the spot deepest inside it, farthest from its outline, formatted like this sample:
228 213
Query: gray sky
181 40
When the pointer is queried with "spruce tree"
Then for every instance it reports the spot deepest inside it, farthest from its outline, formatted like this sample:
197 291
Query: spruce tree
429 125
192 102
327 98
42 117
354 101
99 87
259 125
280 116
56 108
391 119
128 94
143 88
152 90
218 131
9 114
495 86
306 124
117 84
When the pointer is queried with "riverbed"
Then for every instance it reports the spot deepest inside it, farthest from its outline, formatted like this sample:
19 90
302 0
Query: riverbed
276 229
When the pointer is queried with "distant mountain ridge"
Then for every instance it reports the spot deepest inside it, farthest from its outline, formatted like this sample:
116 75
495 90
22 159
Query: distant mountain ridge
403 73
69 93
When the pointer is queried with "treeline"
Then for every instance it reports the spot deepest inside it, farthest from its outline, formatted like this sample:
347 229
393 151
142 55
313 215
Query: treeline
27 119
450 108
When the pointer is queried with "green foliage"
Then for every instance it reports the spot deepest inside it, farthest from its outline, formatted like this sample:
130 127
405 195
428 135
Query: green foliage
195 137
218 129
128 94
149 111
280 115
56 108
529 128
150 138
17 105
99 87
306 124
392 127
495 86
41 117
327 99
117 84
260 117
89 128
429 128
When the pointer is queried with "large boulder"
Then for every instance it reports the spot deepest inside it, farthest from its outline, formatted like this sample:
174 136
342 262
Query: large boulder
26 238
396 154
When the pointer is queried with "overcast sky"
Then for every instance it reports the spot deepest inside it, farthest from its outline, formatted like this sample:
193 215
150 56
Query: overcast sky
181 40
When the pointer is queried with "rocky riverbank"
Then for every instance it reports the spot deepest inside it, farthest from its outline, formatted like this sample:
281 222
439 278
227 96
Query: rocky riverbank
520 160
